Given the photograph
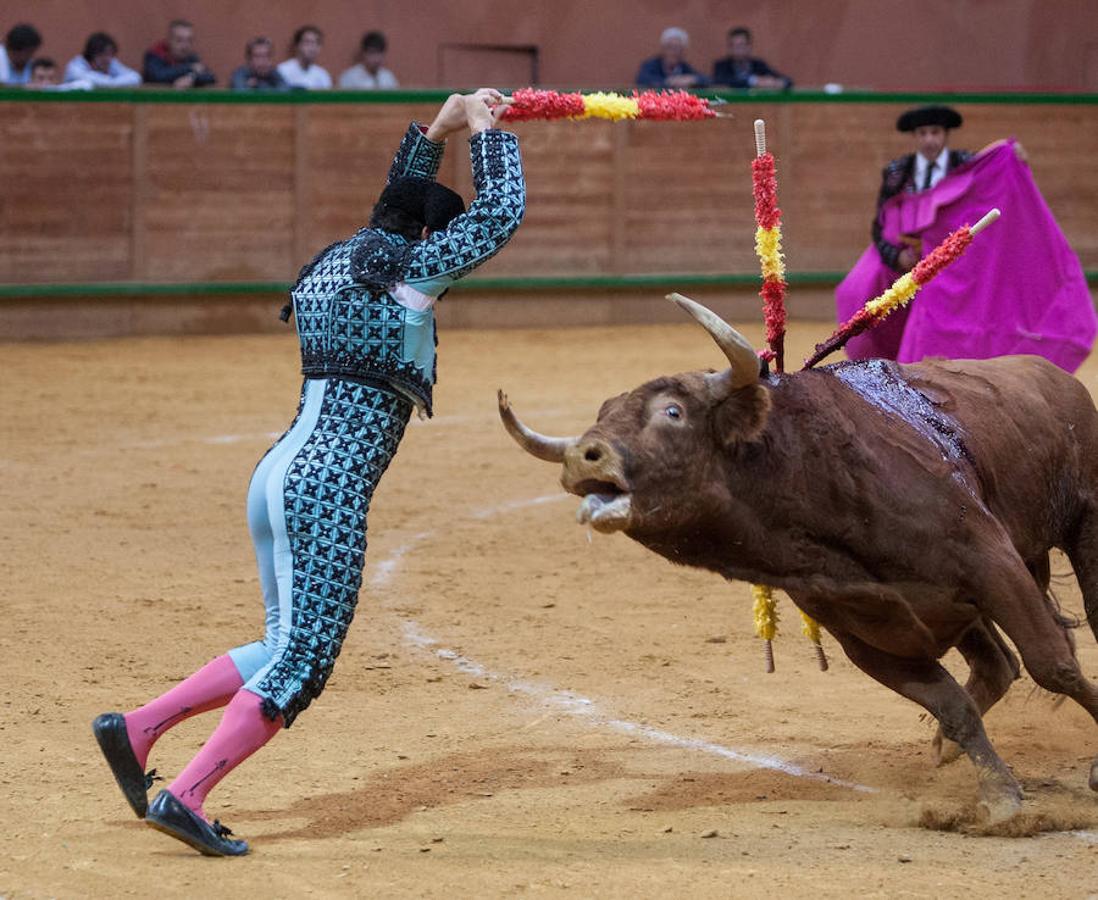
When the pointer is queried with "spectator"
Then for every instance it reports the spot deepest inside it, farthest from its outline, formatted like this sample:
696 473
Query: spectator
742 70
46 76
670 69
16 53
301 70
99 64
43 73
173 61
258 72
370 72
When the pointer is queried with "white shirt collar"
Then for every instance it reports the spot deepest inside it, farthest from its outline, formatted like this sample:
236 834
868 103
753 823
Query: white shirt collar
940 166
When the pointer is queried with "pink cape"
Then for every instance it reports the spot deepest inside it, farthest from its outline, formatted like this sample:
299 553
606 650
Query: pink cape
1018 288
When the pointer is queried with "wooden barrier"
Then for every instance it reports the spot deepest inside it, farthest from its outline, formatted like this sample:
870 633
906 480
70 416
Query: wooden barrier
218 190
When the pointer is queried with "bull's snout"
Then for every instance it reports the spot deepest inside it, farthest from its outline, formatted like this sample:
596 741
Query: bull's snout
594 470
594 451
593 465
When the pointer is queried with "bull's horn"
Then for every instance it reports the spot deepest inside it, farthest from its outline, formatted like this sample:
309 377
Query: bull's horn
551 449
741 355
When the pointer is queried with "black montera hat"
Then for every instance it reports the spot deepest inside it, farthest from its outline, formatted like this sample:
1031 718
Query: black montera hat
946 116
423 201
442 206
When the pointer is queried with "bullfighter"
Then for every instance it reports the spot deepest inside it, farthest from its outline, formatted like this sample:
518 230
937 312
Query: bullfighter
1023 292
365 321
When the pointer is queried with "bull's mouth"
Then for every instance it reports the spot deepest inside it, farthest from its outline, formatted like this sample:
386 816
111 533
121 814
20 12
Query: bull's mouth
606 506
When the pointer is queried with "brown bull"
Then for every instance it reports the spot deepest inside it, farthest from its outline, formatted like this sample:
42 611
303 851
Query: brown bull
907 508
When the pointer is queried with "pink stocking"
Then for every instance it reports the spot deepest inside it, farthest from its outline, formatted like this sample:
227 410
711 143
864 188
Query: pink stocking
243 730
210 687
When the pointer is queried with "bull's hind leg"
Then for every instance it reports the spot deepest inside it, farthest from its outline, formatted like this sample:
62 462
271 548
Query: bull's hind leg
1082 550
992 668
1046 647
927 683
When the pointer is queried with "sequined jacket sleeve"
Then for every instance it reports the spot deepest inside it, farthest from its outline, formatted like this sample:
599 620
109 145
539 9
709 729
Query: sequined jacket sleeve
895 175
416 156
480 233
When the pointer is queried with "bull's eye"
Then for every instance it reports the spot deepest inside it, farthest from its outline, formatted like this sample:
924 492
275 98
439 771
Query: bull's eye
673 411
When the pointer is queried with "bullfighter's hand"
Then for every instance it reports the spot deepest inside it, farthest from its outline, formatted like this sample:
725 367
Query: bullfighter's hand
451 118
907 259
483 108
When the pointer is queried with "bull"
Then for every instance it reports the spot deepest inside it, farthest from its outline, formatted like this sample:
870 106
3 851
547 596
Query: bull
909 509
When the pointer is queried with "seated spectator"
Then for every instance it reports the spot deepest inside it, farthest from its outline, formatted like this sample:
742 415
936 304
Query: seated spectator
301 70
43 73
258 72
16 53
45 76
370 73
99 64
742 70
670 69
173 61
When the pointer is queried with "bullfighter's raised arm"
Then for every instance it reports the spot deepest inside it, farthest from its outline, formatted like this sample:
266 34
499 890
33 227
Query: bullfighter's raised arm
475 236
418 155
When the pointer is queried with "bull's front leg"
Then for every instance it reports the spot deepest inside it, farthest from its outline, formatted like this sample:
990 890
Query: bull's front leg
927 683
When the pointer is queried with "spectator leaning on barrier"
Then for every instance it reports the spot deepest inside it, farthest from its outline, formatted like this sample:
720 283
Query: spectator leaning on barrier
45 76
16 53
43 73
742 70
99 64
301 70
370 72
258 72
173 61
670 69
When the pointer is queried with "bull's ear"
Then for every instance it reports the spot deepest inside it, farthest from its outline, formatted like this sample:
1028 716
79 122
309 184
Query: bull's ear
743 415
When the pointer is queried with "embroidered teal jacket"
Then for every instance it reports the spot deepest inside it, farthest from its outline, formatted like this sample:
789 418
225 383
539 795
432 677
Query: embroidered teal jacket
365 306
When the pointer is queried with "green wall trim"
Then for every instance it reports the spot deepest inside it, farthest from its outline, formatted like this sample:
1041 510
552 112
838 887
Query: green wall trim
169 95
120 289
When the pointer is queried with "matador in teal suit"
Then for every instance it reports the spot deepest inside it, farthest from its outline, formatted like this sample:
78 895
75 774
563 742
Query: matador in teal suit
364 310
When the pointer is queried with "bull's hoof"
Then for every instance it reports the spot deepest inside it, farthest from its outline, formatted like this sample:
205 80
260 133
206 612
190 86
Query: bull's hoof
1094 775
999 801
945 750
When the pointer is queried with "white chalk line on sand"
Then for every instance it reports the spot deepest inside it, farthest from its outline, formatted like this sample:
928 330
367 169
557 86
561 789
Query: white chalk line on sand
567 702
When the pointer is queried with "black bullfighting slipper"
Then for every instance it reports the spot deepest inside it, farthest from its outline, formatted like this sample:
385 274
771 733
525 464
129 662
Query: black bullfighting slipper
110 731
167 814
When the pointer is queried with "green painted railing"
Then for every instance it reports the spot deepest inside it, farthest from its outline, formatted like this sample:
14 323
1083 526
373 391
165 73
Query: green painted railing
122 289
214 95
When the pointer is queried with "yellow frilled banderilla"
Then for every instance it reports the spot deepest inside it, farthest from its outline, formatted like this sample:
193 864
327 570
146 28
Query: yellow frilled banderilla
766 626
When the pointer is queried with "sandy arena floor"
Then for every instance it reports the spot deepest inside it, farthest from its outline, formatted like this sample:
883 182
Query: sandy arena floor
519 710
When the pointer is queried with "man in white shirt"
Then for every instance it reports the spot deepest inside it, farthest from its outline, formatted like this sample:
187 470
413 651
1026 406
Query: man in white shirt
16 53
370 73
99 64
301 70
